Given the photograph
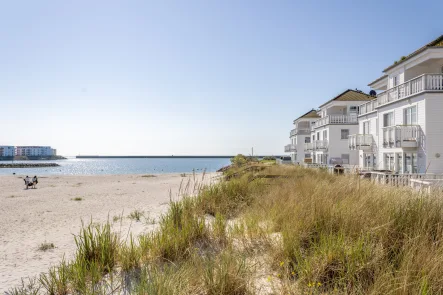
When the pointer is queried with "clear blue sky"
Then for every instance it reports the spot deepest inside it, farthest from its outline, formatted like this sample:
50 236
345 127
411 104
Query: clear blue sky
189 77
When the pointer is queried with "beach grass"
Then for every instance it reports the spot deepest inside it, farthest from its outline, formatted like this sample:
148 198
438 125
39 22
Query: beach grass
46 246
136 215
287 230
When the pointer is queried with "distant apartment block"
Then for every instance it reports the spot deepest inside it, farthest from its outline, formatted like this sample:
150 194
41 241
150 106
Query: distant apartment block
34 151
7 151
321 136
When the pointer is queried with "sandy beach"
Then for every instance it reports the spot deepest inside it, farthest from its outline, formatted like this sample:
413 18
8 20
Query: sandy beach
50 214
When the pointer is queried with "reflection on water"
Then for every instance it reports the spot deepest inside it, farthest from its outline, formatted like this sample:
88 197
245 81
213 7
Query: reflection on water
120 166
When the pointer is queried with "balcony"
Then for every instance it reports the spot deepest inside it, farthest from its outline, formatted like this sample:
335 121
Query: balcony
290 148
300 131
336 119
321 145
423 83
363 142
401 136
309 146
368 107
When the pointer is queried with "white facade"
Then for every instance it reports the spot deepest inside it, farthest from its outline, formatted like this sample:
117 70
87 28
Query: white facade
7 151
322 136
34 151
402 129
329 135
300 135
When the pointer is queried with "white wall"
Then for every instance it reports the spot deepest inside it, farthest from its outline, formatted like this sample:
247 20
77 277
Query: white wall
397 108
434 132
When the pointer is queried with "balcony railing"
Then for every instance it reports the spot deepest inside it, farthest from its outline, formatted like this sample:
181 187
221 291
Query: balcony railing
360 141
301 131
336 119
321 145
290 148
367 107
401 136
425 82
309 146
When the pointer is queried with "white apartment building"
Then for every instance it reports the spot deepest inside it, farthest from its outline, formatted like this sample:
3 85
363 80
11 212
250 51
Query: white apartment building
402 129
34 151
300 135
329 134
7 151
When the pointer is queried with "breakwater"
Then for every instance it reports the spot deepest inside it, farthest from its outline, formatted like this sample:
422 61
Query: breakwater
28 165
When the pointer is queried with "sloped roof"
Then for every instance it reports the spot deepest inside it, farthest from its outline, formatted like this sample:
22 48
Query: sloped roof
312 114
351 95
378 79
435 43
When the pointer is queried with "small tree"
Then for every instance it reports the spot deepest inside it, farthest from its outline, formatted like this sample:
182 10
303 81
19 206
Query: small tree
239 160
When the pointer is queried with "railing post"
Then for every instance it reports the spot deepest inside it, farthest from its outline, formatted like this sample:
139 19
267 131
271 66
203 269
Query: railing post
424 83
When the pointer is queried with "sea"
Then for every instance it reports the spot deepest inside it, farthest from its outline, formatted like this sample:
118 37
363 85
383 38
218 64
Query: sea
116 166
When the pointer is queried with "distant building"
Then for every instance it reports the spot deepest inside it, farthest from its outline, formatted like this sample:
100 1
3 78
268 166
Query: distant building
34 151
7 151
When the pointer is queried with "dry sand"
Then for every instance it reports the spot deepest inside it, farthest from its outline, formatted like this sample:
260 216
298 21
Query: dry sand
49 214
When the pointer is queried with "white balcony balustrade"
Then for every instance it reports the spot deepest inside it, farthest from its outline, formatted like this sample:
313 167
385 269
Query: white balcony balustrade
360 142
309 146
293 132
321 145
290 148
401 136
367 107
336 119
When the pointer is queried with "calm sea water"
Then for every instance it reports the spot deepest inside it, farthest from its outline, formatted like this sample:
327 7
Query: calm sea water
119 166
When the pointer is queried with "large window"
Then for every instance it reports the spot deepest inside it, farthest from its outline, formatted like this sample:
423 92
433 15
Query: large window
307 139
389 161
410 116
344 133
410 162
388 119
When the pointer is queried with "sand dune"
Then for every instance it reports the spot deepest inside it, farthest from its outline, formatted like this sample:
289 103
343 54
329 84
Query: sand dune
49 214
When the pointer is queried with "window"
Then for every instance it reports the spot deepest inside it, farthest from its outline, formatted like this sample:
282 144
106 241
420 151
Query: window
389 161
318 135
400 162
307 156
394 81
366 127
410 162
353 109
345 158
388 119
344 133
410 115
307 139
325 134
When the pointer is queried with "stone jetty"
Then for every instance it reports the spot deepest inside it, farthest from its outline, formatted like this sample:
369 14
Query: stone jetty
28 165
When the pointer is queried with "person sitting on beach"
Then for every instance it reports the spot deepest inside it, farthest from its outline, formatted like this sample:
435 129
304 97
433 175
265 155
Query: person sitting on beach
27 181
34 181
